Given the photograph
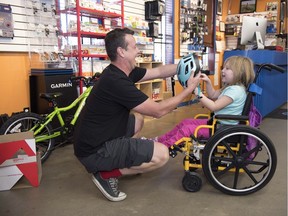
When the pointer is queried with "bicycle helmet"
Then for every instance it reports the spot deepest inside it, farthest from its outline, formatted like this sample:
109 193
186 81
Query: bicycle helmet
185 66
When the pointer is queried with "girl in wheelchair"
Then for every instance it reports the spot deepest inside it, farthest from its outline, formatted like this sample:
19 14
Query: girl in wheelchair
237 74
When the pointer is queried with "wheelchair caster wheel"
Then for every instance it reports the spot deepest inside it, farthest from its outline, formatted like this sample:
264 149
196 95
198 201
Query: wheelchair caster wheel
191 182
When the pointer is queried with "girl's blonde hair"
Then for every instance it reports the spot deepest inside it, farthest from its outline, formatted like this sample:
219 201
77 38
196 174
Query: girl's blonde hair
243 69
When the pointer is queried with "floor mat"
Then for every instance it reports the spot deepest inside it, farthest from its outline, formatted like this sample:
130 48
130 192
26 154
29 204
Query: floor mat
278 114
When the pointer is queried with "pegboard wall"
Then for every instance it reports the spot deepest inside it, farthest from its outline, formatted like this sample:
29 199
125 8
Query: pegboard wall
35 24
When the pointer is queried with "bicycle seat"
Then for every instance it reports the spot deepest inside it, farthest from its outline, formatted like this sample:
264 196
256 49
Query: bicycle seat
50 96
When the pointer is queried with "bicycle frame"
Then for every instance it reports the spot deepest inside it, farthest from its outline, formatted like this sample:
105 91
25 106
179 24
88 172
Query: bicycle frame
57 112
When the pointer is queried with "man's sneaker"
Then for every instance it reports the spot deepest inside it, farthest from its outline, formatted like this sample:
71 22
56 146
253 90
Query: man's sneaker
108 187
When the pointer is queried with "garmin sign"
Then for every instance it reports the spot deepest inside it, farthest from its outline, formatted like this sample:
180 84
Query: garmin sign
61 85
42 83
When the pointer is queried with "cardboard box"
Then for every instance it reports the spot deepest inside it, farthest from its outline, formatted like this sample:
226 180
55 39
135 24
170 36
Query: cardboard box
18 158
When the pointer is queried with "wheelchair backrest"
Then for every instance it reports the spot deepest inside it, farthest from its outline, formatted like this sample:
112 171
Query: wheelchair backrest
248 103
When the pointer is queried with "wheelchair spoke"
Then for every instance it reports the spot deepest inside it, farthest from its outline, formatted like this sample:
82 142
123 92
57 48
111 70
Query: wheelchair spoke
229 149
250 175
241 142
219 173
259 163
236 178
254 150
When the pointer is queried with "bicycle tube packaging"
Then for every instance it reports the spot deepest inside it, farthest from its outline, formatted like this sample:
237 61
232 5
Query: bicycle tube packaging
18 158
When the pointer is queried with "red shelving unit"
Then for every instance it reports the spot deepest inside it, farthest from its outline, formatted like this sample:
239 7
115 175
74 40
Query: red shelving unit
79 13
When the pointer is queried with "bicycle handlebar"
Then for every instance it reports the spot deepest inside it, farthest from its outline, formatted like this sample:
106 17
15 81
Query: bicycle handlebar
86 80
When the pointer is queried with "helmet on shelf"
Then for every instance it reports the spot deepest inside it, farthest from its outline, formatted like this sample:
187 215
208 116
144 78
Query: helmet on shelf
186 65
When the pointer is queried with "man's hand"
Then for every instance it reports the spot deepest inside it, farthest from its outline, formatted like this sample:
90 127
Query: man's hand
193 81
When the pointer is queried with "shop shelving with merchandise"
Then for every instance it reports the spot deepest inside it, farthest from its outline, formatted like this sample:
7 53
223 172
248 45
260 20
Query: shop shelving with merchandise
83 26
152 88
42 35
140 27
233 27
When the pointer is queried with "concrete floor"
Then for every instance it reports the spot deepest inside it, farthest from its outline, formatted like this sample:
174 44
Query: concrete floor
66 188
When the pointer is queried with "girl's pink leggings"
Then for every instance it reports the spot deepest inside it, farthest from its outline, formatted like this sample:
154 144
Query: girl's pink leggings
184 129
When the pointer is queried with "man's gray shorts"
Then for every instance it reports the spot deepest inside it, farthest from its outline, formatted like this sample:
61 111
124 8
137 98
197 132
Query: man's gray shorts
119 153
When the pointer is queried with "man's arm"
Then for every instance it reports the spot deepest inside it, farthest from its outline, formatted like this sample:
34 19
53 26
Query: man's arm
159 109
160 72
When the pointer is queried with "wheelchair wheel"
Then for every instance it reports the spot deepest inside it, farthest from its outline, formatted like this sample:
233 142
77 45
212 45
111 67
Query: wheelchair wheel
229 166
23 122
191 182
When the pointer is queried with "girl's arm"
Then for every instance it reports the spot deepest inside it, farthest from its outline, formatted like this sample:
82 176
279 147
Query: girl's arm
217 104
211 92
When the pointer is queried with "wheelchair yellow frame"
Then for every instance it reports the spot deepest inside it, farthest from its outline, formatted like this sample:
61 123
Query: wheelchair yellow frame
189 144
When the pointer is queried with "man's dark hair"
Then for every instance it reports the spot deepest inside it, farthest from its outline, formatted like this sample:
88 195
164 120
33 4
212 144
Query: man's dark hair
115 39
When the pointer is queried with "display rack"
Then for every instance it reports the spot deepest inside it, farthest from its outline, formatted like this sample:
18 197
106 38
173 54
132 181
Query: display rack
193 26
140 27
152 88
42 34
84 25
149 64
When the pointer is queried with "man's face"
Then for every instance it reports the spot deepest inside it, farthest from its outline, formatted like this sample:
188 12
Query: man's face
132 50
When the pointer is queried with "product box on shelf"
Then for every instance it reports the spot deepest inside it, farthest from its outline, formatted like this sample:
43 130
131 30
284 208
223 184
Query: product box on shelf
19 159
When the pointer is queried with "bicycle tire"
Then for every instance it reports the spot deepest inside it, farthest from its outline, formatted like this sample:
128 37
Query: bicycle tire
23 122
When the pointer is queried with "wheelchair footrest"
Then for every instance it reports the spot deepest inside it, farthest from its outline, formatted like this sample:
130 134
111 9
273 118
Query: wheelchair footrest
173 150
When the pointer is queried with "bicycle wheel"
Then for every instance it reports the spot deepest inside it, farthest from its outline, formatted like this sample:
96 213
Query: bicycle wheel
23 122
228 166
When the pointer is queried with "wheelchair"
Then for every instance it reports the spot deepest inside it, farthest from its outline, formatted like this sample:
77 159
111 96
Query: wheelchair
227 162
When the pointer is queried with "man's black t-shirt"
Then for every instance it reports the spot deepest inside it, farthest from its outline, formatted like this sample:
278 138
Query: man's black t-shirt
105 114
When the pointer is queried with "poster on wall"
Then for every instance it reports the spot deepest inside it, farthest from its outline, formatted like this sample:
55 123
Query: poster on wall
219 7
6 22
247 6
271 6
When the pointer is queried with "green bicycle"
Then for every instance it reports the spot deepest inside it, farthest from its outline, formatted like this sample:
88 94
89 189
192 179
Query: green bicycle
44 132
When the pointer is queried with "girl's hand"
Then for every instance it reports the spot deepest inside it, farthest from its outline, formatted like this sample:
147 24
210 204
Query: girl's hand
205 78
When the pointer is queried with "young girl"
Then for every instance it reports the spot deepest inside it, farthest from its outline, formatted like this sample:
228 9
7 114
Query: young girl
237 74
